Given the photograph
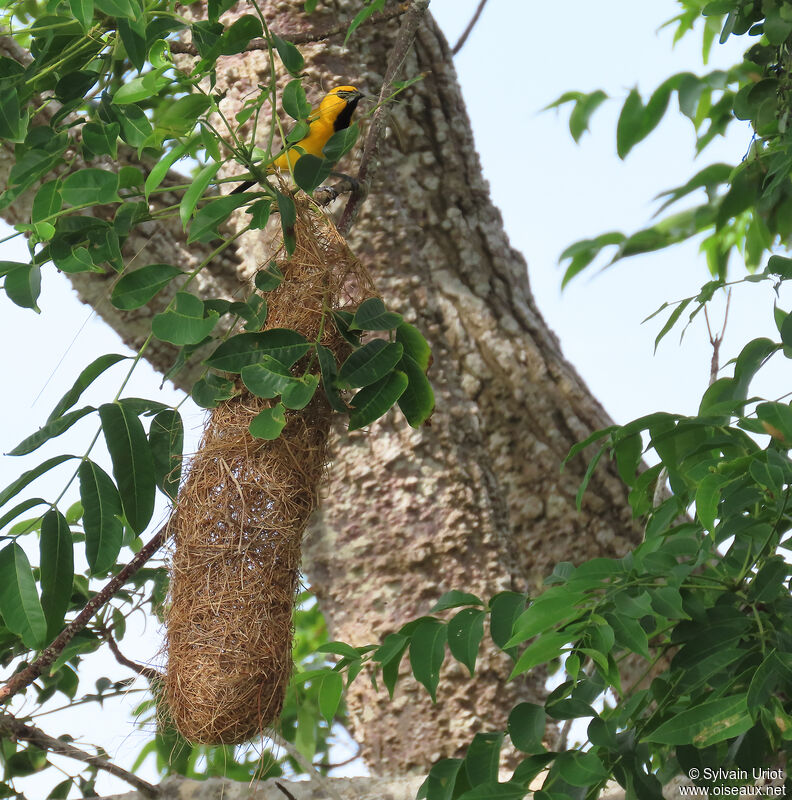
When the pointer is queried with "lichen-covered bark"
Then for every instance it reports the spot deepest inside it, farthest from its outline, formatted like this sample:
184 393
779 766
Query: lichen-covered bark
476 501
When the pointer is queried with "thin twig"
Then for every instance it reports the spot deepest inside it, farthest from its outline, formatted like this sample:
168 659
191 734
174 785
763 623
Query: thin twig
26 676
299 37
716 341
147 672
314 776
472 24
340 763
368 162
16 729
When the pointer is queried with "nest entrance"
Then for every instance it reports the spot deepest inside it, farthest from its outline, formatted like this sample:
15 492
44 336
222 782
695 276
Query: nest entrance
241 514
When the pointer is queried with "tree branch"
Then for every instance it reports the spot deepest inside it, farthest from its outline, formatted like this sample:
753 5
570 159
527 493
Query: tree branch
15 729
314 776
368 163
472 24
26 676
147 672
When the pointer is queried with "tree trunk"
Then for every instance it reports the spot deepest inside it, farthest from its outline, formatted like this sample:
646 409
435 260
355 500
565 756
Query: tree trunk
475 501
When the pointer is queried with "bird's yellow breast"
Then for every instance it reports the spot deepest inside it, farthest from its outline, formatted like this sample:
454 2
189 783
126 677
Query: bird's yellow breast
321 121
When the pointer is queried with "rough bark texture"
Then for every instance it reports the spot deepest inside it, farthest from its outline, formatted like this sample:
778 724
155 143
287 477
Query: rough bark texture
178 788
476 501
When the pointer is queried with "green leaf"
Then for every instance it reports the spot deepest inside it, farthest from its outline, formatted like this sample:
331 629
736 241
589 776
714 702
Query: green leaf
369 364
545 648
414 344
310 171
101 139
290 56
47 202
549 609
123 9
268 278
362 15
374 401
57 569
96 368
770 581
133 466
582 111
160 170
527 727
629 127
330 691
82 11
283 344
569 708
185 323
16 486
135 289
19 601
441 780
180 117
389 655
339 649
483 757
764 681
195 192
329 369
705 724
288 215
212 390
294 101
141 88
498 791
781 266
21 508
12 125
708 494
236 38
454 599
212 215
340 143
299 392
254 311
23 286
505 607
166 438
667 601
267 378
90 186
581 769
372 315
427 653
776 419
629 633
671 321
269 423
102 512
465 630
52 429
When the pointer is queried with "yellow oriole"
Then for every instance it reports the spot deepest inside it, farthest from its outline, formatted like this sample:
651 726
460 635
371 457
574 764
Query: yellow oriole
333 114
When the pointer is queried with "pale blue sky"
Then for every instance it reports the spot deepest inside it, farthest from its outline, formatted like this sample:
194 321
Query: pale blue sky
552 192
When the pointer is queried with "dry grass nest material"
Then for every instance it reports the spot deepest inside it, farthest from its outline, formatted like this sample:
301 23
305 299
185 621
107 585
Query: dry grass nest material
240 519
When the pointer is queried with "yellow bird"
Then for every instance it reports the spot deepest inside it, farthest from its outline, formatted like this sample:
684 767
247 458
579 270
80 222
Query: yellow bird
333 114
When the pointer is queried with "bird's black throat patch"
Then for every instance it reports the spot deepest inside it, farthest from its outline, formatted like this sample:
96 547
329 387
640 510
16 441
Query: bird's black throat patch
345 117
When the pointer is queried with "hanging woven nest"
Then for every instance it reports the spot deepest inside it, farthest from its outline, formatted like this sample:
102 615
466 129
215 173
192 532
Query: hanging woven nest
241 515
